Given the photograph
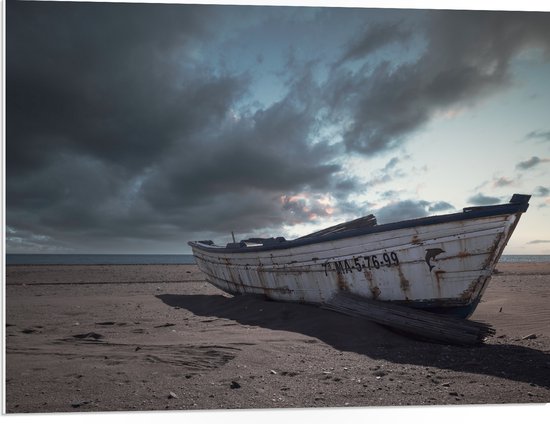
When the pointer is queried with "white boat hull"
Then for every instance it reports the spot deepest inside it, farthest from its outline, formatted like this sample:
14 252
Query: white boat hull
440 266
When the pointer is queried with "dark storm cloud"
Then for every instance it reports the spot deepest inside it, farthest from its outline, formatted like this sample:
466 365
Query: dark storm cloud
121 126
117 130
376 36
467 56
92 100
390 171
409 209
264 151
530 163
389 194
405 209
541 191
538 135
440 206
344 186
101 79
27 240
257 156
502 182
483 200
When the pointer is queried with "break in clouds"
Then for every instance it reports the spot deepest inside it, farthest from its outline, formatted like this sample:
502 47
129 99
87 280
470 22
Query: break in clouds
127 123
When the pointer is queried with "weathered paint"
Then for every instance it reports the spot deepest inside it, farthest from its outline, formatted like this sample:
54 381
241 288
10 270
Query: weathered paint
443 265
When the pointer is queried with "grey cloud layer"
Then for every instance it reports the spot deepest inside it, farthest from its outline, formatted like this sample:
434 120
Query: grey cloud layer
530 163
467 56
410 209
481 199
539 135
120 128
115 127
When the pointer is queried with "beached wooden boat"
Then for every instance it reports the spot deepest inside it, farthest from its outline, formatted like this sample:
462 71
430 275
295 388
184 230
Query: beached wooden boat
439 263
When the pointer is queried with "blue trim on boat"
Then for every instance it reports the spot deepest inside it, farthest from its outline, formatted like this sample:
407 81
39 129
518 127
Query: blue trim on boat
519 203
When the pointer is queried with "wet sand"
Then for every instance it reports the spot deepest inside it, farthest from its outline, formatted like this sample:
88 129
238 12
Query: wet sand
158 337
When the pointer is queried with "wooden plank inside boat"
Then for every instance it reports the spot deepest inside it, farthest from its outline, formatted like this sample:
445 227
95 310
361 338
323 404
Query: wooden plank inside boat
365 221
428 325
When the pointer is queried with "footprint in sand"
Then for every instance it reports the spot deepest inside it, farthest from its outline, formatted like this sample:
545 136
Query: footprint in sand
36 329
120 324
168 324
95 337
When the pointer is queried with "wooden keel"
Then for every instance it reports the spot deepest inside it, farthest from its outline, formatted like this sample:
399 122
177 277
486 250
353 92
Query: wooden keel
428 325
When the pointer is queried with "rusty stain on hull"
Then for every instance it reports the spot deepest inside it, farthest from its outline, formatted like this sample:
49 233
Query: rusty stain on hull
438 275
467 294
341 282
375 292
374 289
404 283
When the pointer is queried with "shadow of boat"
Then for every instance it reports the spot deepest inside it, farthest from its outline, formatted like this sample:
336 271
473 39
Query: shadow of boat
345 333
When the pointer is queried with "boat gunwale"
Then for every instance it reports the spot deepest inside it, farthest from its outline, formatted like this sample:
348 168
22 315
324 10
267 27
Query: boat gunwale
518 204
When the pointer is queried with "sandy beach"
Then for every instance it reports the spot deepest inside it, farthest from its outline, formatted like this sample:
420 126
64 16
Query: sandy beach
158 337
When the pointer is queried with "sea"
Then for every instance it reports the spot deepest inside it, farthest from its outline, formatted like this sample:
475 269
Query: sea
96 259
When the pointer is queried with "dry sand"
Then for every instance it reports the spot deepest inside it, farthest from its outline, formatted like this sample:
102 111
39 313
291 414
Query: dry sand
127 338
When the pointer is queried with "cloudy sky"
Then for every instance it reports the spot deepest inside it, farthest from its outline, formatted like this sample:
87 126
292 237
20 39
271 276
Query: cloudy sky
134 128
